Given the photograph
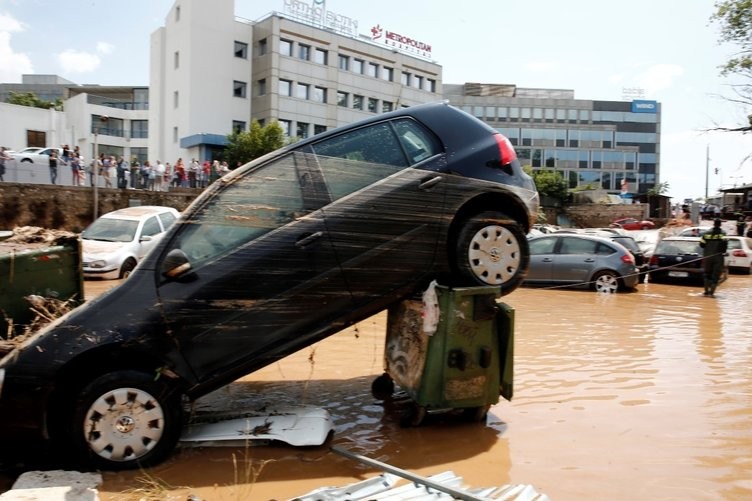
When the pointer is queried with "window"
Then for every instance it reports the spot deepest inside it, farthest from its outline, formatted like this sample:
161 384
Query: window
373 105
304 52
372 70
430 85
302 130
139 129
285 124
357 66
344 62
151 227
318 129
261 87
174 134
387 106
285 47
418 82
387 73
319 94
177 13
239 88
342 99
405 78
176 59
262 47
175 99
238 126
320 56
301 90
285 88
241 50
358 102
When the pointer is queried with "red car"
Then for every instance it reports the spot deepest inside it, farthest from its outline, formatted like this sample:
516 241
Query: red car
629 223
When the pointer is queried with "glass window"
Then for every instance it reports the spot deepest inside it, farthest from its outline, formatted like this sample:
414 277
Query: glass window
344 62
139 129
320 56
176 58
572 115
285 124
490 112
285 47
549 114
514 113
387 73
418 82
430 85
285 88
302 130
478 111
261 87
386 106
318 129
175 134
241 50
342 99
357 66
251 206
373 105
304 52
538 114
238 126
405 78
525 114
372 70
262 48
501 112
584 115
239 88
319 94
175 99
301 90
358 102
561 114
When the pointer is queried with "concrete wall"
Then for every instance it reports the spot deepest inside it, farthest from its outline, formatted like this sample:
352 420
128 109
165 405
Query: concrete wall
71 208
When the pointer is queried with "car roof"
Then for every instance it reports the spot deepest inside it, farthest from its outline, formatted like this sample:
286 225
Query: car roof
139 212
681 239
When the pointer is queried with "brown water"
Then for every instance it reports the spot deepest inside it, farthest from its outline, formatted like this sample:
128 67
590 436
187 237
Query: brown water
645 395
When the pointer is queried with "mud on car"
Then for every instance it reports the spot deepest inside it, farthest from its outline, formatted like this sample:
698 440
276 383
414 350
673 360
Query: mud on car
273 257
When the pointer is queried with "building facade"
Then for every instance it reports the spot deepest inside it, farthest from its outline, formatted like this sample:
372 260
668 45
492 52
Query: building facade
611 145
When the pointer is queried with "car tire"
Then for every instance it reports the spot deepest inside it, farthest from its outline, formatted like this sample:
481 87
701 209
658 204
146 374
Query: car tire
491 249
27 161
606 281
124 420
127 268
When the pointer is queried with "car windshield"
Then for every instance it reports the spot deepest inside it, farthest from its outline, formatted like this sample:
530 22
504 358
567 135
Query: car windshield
677 247
111 230
627 242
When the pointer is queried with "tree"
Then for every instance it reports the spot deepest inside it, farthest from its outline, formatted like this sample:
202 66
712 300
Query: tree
658 189
735 20
550 183
31 99
244 146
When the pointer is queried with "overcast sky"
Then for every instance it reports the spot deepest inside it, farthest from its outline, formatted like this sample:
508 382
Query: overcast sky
597 48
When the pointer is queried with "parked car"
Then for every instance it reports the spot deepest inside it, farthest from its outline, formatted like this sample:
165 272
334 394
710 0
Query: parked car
41 156
646 240
273 257
694 231
678 259
621 237
26 151
116 242
740 254
632 224
581 260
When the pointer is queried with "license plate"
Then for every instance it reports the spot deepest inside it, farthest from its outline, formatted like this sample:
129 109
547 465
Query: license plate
678 274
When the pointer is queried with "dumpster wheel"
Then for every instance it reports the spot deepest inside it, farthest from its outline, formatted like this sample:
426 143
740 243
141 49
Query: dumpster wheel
413 416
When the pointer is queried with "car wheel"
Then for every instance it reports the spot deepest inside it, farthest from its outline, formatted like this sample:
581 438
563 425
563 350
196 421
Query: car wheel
26 161
124 420
491 250
127 267
606 281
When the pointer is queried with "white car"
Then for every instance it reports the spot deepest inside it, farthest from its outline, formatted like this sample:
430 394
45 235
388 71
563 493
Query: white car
740 254
37 155
115 243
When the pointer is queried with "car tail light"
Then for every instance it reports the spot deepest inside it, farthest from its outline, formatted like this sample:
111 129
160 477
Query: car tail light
628 258
508 155
739 253
653 259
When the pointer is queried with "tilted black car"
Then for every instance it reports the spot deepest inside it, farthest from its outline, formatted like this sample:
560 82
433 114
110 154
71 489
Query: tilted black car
273 257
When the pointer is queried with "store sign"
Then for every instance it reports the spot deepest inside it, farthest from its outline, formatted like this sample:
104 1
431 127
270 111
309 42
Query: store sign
315 14
400 42
642 106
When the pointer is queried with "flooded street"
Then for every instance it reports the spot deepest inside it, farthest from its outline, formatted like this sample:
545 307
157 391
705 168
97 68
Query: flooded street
620 397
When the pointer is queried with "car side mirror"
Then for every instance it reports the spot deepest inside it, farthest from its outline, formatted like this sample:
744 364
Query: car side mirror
175 265
145 238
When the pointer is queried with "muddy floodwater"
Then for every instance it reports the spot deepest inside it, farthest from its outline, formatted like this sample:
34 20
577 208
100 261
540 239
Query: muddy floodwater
644 395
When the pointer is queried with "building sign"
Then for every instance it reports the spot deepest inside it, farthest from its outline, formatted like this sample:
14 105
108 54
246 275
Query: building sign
315 14
642 106
399 42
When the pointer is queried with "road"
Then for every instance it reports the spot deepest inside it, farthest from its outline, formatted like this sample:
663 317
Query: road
642 395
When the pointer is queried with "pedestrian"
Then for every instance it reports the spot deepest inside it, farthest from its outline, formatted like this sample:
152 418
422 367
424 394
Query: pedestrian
75 165
105 170
714 245
159 170
3 158
122 168
740 225
193 170
53 166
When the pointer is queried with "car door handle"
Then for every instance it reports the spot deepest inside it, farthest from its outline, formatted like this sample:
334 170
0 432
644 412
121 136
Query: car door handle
308 239
548 260
430 183
589 260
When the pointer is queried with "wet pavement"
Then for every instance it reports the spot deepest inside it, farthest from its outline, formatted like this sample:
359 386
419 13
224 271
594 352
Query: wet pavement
621 397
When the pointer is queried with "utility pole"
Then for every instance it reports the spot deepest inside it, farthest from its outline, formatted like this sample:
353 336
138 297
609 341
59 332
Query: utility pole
707 170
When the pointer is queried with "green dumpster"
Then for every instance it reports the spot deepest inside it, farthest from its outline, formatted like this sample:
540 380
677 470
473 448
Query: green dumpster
465 364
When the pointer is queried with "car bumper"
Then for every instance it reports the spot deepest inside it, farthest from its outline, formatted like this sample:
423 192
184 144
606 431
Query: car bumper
97 273
22 409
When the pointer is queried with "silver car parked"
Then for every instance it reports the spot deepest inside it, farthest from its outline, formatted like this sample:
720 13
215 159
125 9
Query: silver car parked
581 260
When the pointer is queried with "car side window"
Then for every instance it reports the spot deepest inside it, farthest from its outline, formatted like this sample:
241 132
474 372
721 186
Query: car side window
168 219
577 246
245 209
358 158
604 250
542 245
151 227
419 144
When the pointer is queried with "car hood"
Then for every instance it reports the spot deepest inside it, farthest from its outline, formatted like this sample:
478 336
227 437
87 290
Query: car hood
101 247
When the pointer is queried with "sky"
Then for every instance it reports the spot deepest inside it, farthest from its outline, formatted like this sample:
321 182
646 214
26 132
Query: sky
597 48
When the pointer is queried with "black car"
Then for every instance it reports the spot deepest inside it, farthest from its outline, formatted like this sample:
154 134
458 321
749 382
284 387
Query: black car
679 259
273 257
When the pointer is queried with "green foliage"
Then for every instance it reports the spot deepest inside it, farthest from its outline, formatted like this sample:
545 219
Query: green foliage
244 146
735 19
658 189
31 99
550 183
